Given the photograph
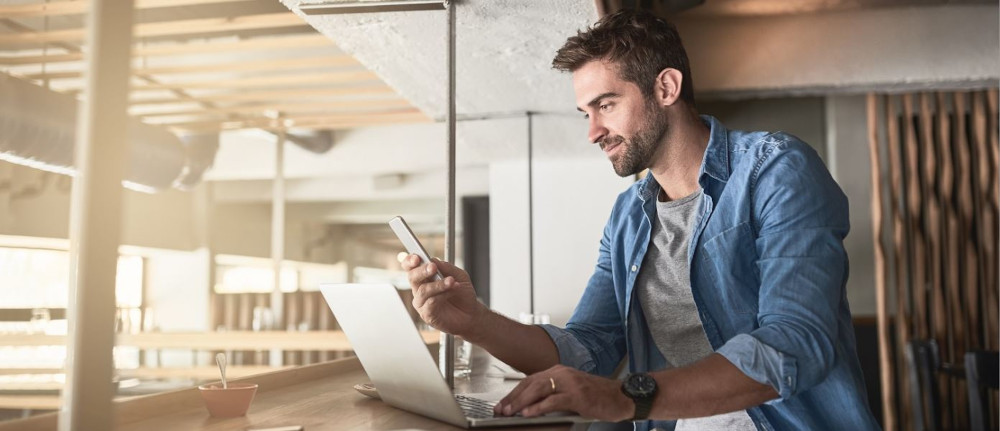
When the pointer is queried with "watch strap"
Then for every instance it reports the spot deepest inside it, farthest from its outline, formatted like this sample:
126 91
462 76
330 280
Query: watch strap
642 408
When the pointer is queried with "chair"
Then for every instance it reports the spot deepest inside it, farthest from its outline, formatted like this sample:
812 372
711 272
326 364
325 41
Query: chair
982 371
924 361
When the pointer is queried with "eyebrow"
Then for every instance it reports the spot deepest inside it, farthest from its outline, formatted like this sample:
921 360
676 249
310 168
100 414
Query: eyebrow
598 99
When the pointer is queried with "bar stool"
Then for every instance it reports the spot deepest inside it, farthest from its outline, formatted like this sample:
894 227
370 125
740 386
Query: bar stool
924 361
982 371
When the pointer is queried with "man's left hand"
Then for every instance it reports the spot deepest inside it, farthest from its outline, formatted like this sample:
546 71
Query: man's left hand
562 388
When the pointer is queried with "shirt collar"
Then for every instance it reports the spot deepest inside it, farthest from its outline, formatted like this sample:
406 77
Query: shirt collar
715 163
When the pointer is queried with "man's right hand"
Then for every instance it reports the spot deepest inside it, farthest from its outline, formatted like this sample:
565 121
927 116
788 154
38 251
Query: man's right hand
449 304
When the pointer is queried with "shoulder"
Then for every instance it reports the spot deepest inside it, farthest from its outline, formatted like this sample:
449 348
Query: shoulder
773 153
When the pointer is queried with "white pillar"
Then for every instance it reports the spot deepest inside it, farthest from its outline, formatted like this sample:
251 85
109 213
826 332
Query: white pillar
95 218
846 140
278 236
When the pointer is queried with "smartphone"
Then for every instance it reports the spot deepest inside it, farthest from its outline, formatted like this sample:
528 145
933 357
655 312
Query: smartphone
410 241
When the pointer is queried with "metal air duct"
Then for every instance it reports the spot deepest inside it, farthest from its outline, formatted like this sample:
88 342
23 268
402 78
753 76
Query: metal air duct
38 129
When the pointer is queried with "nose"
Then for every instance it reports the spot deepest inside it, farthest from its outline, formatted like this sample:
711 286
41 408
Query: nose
596 131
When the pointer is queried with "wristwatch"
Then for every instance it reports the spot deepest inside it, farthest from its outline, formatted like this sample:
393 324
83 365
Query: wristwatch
641 388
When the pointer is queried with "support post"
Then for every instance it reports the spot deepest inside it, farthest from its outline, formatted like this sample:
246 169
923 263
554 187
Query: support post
278 237
449 247
95 218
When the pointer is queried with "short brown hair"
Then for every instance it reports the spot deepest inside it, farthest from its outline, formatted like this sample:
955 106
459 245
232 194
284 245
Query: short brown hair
640 44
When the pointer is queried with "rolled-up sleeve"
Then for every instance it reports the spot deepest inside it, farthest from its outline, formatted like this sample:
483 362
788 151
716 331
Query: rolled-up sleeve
800 218
762 363
572 353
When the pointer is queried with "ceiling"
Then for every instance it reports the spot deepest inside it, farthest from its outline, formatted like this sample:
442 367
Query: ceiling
505 47
244 65
212 65
205 66
745 8
503 53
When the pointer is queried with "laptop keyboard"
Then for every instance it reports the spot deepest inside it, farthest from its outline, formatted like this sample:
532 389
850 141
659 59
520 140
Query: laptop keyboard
475 408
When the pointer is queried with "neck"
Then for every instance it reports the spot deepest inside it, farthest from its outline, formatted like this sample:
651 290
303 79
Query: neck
682 150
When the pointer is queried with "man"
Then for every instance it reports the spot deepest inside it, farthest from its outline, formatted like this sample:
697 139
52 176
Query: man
721 274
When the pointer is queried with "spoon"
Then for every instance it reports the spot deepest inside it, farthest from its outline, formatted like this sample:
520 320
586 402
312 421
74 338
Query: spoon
220 358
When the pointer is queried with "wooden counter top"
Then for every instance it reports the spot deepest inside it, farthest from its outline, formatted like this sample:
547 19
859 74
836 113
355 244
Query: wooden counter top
318 397
226 340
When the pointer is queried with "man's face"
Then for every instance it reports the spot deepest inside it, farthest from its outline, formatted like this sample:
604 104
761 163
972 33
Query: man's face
627 126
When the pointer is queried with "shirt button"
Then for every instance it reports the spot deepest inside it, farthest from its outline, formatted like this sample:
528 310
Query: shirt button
634 268
788 380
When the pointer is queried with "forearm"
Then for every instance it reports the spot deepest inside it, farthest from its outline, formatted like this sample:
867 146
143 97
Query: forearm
708 387
527 348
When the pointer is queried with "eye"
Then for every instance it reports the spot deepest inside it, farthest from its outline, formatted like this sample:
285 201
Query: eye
586 116
605 107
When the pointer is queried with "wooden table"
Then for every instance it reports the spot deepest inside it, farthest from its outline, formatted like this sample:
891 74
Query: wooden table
228 340
318 397
225 340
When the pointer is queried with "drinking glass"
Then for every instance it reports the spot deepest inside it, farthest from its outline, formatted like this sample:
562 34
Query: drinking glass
40 318
463 357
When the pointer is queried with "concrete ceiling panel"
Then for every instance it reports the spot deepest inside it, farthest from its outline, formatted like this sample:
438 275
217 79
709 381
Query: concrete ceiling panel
504 52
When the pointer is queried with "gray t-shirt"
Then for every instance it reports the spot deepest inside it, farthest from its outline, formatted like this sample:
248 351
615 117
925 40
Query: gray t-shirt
664 289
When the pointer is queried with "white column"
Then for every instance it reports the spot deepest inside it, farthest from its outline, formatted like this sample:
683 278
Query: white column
278 236
847 144
95 218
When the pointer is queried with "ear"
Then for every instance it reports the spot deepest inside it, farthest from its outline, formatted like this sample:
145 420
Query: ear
667 88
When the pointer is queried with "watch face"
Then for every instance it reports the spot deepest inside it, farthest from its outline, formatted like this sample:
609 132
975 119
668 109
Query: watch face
642 385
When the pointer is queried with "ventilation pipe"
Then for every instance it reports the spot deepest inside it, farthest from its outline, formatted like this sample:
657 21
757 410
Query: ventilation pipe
38 129
316 142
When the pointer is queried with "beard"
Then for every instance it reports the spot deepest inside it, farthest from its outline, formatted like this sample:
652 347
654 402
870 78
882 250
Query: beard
638 150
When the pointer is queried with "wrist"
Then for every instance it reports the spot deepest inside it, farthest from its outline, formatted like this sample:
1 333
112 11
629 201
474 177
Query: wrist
642 389
624 405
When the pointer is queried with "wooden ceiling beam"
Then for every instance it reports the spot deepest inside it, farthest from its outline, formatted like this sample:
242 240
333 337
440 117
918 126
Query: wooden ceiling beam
404 114
273 95
163 50
319 123
272 65
71 48
76 7
167 28
307 40
289 107
299 80
253 83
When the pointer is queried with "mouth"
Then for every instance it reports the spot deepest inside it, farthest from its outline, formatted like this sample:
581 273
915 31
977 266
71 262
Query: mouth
610 147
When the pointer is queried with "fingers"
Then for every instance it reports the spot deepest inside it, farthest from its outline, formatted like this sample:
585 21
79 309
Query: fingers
416 272
410 261
552 403
530 391
426 291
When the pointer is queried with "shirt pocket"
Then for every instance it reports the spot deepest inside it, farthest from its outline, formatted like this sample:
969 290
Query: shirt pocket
729 259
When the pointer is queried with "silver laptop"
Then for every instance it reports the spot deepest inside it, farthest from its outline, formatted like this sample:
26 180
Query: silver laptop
398 362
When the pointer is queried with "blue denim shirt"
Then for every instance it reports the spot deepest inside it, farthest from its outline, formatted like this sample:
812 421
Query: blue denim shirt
768 275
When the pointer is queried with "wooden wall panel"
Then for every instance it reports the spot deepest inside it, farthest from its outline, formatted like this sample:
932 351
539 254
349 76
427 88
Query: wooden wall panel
942 180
